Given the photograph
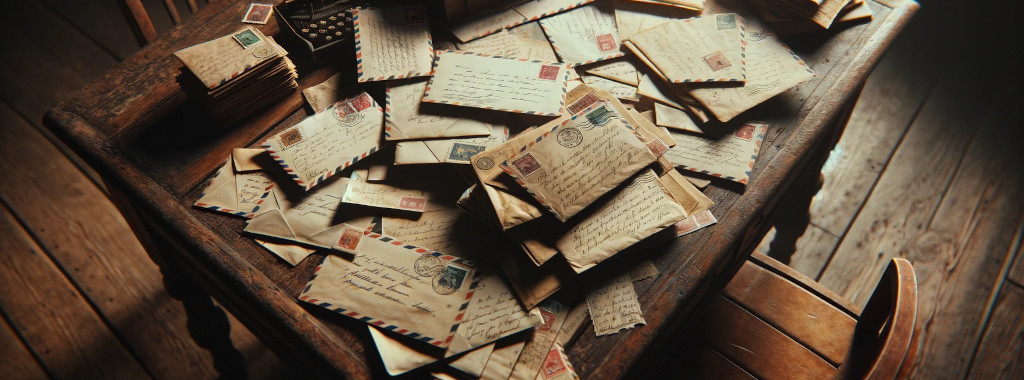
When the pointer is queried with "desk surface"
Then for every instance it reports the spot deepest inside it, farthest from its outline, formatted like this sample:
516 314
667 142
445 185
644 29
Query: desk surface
134 126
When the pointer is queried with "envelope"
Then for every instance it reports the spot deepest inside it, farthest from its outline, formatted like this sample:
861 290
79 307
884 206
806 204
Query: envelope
405 118
502 359
324 144
392 43
579 160
447 151
218 61
239 192
619 70
675 118
290 253
771 69
314 219
585 34
632 16
698 49
409 290
413 195
477 26
730 157
502 43
534 43
326 93
399 357
504 84
620 90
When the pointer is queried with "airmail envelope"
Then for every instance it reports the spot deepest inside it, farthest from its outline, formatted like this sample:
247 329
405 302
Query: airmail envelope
237 189
447 151
406 118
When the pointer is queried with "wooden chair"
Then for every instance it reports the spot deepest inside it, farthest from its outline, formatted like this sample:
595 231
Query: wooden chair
140 23
771 322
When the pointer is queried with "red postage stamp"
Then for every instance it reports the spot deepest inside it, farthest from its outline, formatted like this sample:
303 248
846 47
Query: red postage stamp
584 102
526 164
657 147
548 72
548 320
350 239
258 13
412 203
606 42
362 102
745 132
717 61
553 364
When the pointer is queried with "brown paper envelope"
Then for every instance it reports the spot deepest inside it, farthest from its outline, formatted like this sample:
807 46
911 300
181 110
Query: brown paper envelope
235 193
584 35
405 118
699 49
218 61
392 43
579 160
450 151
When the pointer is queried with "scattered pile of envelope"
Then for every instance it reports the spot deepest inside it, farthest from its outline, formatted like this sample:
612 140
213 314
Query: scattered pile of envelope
235 76
801 16
461 207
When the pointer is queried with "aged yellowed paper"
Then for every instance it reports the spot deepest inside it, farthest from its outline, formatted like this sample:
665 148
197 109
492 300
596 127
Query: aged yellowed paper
392 43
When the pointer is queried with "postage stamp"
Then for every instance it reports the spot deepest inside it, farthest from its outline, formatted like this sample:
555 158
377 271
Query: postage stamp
291 137
463 152
686 226
414 16
346 113
657 147
705 218
726 21
526 164
745 132
428 265
258 13
361 102
349 240
412 203
547 318
582 103
569 137
247 38
449 280
606 42
553 364
484 163
599 116
717 61
548 72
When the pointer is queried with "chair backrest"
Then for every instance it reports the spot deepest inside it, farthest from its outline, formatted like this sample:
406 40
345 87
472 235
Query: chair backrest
140 22
772 322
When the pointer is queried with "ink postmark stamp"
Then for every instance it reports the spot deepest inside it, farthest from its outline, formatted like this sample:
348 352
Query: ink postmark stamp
349 239
484 163
569 137
428 265
526 164
449 280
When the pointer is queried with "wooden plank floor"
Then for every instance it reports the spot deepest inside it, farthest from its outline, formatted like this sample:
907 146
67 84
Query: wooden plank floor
928 169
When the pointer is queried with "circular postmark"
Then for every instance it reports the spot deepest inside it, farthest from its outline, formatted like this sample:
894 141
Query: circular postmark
569 137
428 265
263 52
485 163
347 114
443 283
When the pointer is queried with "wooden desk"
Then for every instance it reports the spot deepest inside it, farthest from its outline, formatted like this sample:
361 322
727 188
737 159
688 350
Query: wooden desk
135 128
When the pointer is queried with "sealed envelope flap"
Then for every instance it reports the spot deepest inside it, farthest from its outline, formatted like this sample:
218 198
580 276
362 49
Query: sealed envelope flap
580 160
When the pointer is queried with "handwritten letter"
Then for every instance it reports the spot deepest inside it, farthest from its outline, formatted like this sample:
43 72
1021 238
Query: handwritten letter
584 35
731 157
614 306
699 49
325 143
392 43
407 119
505 84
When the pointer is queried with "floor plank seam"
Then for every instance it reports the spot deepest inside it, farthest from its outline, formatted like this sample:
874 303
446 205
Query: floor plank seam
78 288
21 338
1004 272
81 32
910 123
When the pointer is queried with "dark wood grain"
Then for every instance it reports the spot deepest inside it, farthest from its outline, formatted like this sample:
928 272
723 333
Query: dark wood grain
53 318
108 122
18 362
1001 355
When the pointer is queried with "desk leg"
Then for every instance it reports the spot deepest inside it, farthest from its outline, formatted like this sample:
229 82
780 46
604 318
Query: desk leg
207 323
793 216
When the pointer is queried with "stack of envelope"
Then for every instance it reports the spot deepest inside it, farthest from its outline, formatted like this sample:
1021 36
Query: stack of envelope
801 16
238 75
495 192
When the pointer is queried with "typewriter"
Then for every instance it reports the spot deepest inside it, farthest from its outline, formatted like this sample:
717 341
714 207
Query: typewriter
316 31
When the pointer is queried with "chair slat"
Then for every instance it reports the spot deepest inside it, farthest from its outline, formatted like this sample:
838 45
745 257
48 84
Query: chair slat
756 346
793 310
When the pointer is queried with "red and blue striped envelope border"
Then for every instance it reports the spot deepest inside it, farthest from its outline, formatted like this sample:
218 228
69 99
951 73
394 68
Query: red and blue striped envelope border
360 74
